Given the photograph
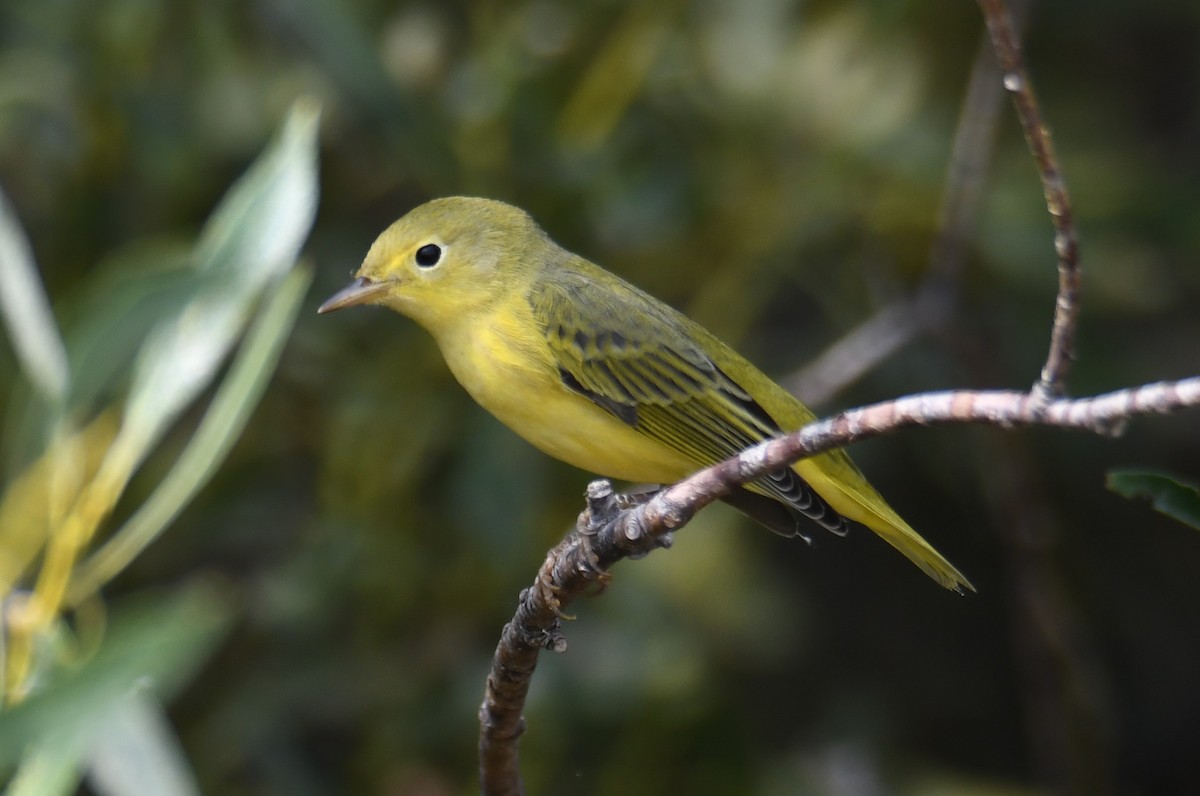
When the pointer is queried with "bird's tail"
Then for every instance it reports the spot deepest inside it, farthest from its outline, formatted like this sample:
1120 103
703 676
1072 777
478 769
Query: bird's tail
845 488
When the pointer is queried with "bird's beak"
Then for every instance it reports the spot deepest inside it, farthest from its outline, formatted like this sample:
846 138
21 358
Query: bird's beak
360 291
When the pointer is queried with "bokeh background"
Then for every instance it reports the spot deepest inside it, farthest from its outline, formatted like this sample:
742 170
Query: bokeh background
777 170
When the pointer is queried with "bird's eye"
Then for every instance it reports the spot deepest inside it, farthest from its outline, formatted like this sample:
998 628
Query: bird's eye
429 255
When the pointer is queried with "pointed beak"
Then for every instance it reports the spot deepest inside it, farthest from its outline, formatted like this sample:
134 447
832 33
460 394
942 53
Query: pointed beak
360 291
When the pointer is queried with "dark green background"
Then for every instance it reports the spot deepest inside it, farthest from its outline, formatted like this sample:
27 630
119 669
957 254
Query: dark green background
776 171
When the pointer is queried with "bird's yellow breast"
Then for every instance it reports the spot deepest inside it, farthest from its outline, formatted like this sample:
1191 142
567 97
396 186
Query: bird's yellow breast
503 361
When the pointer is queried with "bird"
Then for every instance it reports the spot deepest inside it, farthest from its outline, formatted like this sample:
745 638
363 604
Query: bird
595 372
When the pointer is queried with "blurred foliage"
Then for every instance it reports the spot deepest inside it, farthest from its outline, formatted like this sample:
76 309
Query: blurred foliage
775 169
99 725
1166 494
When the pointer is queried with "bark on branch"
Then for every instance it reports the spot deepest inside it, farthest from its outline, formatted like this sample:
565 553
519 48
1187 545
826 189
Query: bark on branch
612 527
1052 382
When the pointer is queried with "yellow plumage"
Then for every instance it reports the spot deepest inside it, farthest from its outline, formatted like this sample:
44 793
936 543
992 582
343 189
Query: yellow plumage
594 372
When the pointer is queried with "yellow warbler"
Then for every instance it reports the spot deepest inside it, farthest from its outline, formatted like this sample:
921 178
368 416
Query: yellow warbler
594 372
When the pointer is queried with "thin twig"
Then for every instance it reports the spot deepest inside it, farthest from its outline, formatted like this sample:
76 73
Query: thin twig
606 533
970 154
857 352
1053 378
1063 713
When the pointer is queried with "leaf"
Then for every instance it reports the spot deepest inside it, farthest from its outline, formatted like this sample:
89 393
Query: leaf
48 769
138 752
252 239
123 298
26 311
105 321
1178 500
222 424
29 503
163 643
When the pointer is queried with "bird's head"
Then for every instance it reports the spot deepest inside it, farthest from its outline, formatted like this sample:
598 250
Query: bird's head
447 259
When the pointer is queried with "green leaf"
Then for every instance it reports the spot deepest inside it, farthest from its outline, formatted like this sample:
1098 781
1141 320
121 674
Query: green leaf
161 643
252 239
50 768
26 311
228 414
139 753
109 318
105 321
1178 500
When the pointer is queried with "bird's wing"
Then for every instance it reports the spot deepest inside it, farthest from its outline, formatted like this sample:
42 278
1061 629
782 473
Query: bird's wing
635 358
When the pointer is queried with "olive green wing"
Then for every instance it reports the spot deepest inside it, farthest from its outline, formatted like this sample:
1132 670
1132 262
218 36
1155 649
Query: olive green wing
642 362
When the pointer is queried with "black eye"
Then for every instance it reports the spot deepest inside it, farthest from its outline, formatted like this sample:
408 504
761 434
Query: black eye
428 255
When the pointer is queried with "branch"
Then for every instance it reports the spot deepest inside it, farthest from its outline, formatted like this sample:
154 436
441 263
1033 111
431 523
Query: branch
861 350
1066 307
609 531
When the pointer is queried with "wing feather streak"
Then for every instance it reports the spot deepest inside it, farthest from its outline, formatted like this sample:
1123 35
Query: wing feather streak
653 377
